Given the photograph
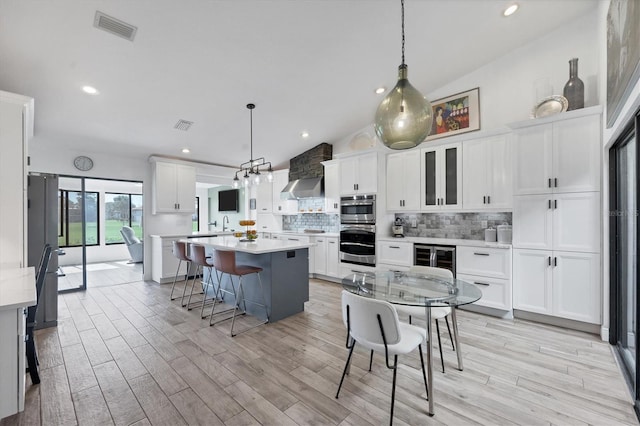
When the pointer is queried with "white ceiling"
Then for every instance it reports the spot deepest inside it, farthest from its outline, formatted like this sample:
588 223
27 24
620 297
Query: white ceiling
307 64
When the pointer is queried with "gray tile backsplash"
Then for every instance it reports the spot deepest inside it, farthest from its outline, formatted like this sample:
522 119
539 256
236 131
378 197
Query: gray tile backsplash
318 220
464 226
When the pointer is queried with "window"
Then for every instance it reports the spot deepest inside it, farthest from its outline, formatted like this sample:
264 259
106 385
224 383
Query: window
70 225
121 210
195 218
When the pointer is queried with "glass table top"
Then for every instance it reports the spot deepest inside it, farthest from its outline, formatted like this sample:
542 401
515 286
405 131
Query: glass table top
412 289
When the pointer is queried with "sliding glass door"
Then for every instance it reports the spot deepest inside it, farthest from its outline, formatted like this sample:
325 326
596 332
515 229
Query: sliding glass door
624 255
94 215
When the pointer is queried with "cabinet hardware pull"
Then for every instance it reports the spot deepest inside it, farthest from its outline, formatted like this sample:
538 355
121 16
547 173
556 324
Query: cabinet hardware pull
549 182
555 204
555 182
481 254
555 261
484 199
394 247
549 203
332 242
293 239
488 199
481 283
549 260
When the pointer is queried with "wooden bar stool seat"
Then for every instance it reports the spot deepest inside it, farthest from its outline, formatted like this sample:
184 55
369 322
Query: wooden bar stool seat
180 251
201 261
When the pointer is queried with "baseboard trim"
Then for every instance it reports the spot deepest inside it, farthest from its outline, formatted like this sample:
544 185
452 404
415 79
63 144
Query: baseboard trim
558 322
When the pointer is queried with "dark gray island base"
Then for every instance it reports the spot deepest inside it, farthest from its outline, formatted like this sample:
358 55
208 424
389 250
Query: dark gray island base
285 279
285 274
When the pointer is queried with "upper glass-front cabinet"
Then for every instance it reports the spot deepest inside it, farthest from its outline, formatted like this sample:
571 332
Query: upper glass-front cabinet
442 177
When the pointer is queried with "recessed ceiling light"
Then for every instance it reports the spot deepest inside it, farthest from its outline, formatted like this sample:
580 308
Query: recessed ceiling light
186 150
90 90
380 90
510 10
304 134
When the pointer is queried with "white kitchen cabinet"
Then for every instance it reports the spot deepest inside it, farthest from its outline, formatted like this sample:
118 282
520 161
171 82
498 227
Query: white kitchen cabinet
326 258
280 206
557 283
320 256
532 281
557 156
163 263
487 173
264 197
16 126
331 186
359 174
490 269
174 188
333 257
441 177
403 181
395 253
563 221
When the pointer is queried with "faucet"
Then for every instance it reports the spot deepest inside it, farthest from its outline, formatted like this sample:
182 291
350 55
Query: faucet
224 228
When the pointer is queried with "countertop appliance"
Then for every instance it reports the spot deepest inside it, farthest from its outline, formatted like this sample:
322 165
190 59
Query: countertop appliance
397 229
504 234
435 256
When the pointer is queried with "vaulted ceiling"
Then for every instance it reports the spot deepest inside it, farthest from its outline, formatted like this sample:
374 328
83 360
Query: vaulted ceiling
308 65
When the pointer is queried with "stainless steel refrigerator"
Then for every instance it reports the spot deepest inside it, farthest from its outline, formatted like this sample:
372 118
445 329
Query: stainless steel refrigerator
42 229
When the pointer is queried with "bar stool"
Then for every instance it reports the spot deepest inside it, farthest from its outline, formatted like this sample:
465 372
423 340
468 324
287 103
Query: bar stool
201 261
180 251
225 262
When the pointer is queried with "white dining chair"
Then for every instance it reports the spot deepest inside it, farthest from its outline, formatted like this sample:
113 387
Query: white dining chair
374 325
437 312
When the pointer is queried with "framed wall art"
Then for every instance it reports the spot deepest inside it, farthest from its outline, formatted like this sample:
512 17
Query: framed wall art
623 54
455 114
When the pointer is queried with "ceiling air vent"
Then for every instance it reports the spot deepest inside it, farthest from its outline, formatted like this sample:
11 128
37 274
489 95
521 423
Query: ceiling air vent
114 26
183 125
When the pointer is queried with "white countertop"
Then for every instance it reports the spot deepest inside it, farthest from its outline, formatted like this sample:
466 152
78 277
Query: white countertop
259 246
446 242
17 288
193 234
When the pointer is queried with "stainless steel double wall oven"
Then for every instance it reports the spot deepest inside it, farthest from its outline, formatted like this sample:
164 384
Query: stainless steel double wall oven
358 230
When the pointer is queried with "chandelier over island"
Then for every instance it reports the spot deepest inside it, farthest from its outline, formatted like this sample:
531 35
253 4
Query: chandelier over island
403 119
251 168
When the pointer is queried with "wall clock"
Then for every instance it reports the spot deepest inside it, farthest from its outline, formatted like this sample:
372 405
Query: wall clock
83 163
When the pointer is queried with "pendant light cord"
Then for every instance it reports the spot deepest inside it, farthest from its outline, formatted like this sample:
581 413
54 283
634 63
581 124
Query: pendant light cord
402 7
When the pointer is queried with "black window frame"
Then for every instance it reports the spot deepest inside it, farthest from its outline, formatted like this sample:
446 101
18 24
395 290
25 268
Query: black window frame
130 211
64 217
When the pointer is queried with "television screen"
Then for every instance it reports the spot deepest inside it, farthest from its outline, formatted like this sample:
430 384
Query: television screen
228 200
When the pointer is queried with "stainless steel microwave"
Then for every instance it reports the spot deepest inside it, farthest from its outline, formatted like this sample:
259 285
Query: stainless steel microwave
358 209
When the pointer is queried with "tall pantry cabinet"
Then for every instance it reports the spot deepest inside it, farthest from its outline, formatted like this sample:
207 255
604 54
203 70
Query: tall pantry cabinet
557 216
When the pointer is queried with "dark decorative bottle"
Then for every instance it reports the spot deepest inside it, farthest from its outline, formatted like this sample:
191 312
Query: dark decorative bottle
574 89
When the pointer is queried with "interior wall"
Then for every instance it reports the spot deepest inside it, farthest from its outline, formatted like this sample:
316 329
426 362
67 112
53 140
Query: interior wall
234 217
508 84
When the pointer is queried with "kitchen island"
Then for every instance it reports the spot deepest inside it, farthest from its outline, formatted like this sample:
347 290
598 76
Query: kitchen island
285 274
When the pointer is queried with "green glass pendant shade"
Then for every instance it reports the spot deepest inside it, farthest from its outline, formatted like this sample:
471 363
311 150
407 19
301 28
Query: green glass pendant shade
403 119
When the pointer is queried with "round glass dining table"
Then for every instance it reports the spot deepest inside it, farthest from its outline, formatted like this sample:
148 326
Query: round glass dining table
417 289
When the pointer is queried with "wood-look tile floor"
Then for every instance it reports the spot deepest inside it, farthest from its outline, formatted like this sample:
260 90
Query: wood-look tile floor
127 355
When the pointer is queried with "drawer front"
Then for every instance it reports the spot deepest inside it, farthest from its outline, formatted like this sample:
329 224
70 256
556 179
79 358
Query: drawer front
395 253
484 262
496 293
394 268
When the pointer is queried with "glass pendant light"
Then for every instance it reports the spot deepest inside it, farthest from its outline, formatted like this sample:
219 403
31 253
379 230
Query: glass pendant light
251 168
403 119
